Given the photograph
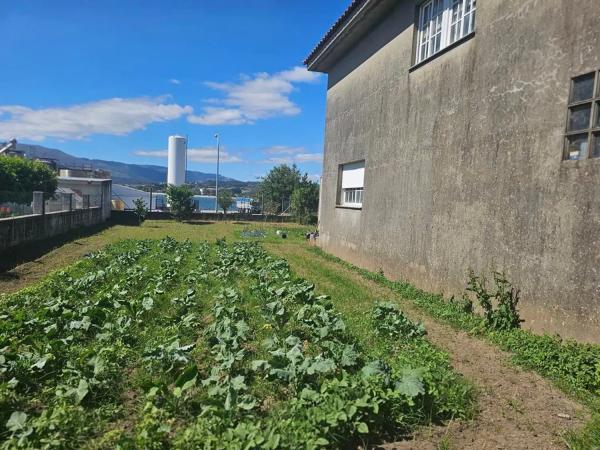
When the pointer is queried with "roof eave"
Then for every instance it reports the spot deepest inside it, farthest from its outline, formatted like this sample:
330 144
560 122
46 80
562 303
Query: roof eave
317 61
363 17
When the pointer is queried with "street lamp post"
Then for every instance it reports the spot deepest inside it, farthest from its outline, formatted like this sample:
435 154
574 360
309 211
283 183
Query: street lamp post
217 137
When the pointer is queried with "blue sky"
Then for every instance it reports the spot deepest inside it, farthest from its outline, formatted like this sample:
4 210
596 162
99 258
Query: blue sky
112 79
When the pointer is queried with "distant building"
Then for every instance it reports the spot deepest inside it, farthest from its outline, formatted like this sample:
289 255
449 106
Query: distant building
96 191
124 196
464 134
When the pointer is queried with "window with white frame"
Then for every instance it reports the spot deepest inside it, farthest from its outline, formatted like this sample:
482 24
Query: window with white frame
352 184
441 23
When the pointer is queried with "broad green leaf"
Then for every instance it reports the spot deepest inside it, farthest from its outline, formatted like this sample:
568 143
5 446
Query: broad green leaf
40 363
374 368
362 428
349 356
247 403
16 421
259 364
309 394
188 373
411 383
321 366
238 383
188 384
82 390
98 364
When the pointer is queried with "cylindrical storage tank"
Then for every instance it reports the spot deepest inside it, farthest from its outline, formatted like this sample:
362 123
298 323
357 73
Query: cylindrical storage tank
177 160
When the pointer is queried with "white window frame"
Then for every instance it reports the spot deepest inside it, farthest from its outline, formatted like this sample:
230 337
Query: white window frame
352 197
441 23
351 190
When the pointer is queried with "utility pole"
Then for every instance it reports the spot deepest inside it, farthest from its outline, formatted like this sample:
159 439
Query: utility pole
217 137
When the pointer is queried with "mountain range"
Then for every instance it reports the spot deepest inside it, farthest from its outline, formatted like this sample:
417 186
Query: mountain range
122 173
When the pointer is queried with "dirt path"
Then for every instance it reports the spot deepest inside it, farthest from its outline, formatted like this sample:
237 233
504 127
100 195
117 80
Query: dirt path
517 409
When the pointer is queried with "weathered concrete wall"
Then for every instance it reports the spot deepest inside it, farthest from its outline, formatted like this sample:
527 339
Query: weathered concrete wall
464 161
15 231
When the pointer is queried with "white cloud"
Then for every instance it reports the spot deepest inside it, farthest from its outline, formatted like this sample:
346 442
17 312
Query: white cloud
283 150
299 158
219 116
281 154
254 98
201 155
174 81
116 116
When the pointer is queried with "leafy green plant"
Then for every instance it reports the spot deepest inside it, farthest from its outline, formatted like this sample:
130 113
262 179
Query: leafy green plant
201 345
390 321
140 210
500 304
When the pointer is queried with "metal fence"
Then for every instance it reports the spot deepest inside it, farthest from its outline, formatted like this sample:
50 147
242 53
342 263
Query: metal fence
15 204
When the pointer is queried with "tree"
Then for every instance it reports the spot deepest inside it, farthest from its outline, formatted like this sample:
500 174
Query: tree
180 199
19 177
225 200
277 186
305 202
140 210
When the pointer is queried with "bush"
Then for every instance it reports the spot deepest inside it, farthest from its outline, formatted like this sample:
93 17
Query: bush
305 202
225 200
140 210
20 176
180 201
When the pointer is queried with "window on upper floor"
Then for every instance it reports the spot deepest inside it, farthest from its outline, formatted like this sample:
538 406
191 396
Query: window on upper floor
441 23
351 184
582 138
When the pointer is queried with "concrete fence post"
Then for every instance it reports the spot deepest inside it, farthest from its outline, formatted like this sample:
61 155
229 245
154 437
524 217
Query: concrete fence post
38 203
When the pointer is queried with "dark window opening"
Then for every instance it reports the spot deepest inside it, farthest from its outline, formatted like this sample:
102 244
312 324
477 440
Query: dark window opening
582 139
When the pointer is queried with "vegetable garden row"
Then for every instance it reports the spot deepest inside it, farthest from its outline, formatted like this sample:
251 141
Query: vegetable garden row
166 344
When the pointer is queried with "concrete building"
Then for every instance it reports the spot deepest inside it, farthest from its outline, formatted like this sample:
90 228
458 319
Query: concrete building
87 192
467 135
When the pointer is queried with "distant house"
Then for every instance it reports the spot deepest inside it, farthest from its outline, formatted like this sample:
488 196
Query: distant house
464 134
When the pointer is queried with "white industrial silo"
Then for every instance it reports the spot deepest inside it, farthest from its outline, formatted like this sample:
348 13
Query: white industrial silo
177 160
